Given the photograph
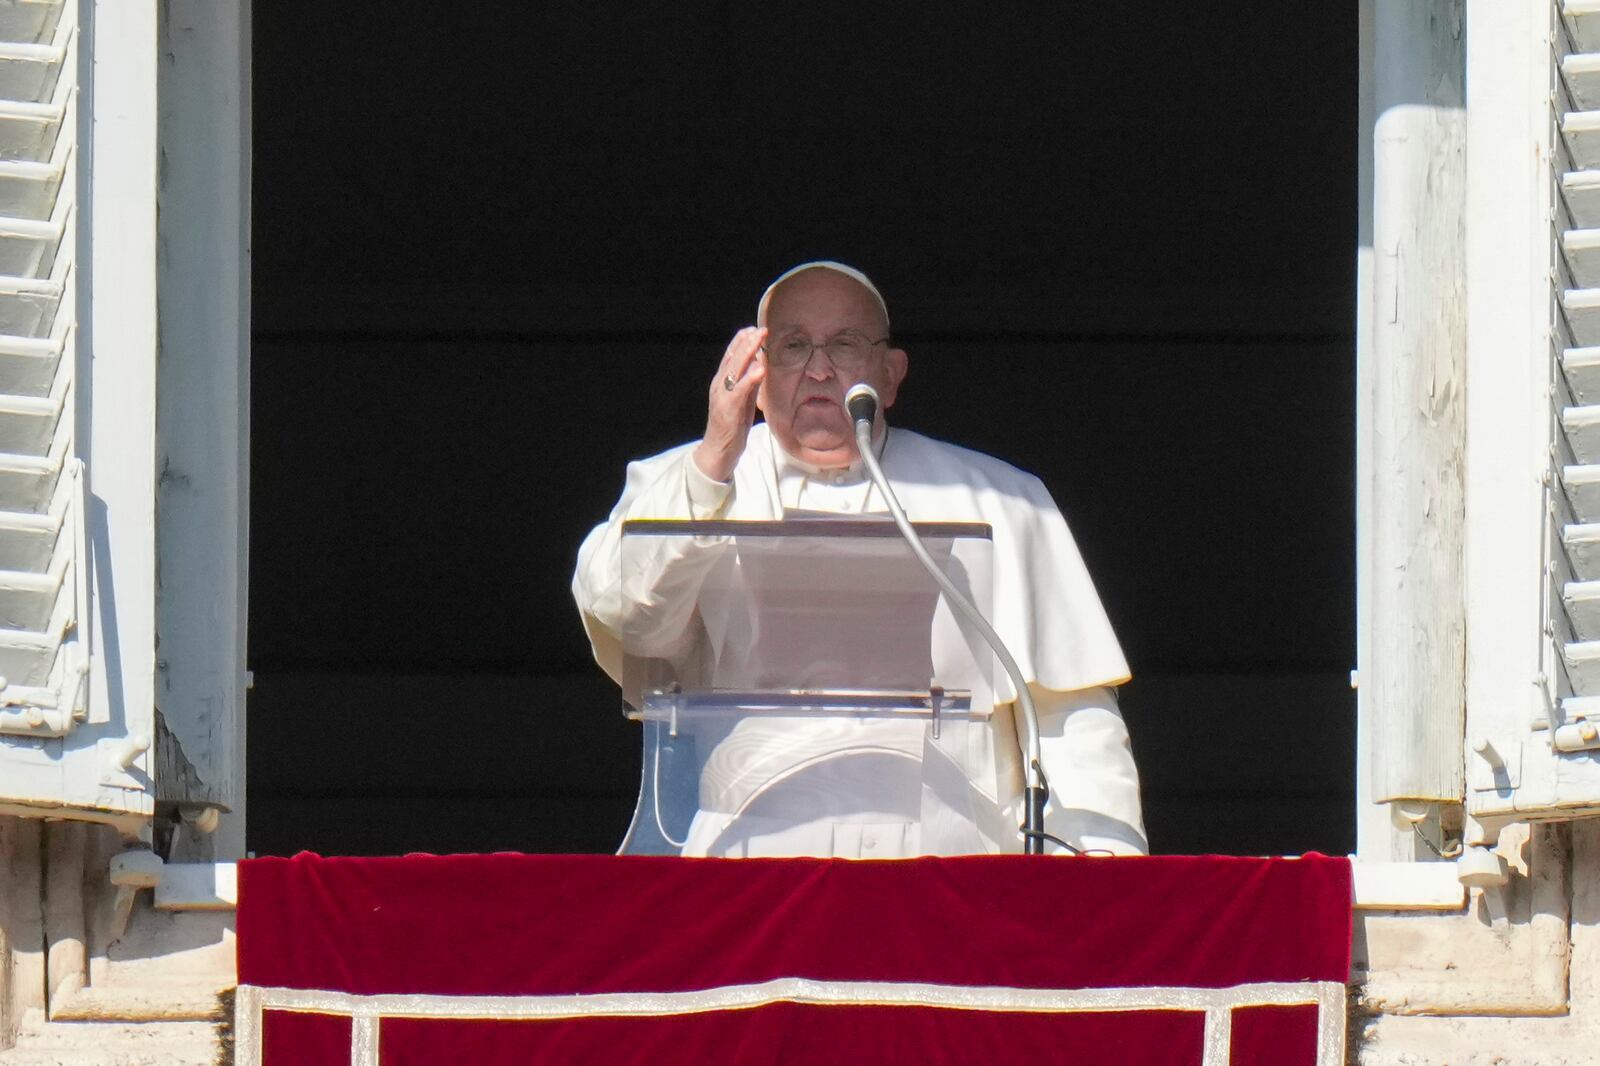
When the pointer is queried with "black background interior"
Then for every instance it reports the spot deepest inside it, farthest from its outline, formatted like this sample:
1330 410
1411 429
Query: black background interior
498 250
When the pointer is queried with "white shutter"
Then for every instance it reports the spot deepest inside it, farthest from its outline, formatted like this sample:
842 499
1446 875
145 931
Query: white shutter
77 500
1573 564
1533 707
44 658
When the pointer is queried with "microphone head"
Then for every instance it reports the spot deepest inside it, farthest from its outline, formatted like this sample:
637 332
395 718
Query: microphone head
862 403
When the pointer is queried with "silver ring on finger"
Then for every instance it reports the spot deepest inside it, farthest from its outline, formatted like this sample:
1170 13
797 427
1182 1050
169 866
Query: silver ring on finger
728 382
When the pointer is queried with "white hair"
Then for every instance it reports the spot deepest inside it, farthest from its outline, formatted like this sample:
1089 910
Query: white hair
822 264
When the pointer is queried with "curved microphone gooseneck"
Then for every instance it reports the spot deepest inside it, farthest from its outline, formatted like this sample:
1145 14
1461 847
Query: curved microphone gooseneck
862 404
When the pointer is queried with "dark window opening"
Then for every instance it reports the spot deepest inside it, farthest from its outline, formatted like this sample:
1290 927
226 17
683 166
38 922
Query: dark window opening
494 259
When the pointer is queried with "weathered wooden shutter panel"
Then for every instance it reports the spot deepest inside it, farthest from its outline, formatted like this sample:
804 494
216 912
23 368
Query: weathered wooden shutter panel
43 592
1533 384
73 740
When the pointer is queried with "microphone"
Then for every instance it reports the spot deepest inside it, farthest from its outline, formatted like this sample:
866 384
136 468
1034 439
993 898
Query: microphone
862 403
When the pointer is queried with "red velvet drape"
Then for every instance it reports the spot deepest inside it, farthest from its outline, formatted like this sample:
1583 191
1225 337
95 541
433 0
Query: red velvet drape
517 925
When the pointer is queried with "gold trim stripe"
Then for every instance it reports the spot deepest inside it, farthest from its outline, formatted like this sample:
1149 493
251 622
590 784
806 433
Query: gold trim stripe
1217 1003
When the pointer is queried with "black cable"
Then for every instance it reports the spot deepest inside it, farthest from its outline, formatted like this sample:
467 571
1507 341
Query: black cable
1042 836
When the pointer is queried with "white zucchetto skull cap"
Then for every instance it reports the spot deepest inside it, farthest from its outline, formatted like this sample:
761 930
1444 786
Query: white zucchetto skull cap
822 264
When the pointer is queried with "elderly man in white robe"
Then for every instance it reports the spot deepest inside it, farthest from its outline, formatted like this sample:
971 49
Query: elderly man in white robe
821 328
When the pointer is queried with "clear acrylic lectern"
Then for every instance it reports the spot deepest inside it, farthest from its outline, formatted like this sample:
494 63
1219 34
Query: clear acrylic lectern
791 669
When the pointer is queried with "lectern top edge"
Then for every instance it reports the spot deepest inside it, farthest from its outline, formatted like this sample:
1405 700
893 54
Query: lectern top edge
801 527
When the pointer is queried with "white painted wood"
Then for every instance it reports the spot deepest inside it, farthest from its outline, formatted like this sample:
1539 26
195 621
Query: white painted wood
28 423
26 540
1582 249
1583 21
116 354
28 189
1413 680
1581 72
30 71
1377 837
1582 427
1582 602
1406 886
1582 369
1575 736
1580 191
1513 668
28 364
28 306
28 130
198 886
1582 660
27 599
203 437
27 481
1582 307
43 597
28 247
29 21
1581 132
1578 708
1582 484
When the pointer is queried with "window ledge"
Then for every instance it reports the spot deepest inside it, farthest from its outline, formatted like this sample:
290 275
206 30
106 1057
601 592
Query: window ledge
1406 886
198 886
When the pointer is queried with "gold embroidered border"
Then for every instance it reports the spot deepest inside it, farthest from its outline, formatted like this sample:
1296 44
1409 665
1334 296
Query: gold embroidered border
1217 1004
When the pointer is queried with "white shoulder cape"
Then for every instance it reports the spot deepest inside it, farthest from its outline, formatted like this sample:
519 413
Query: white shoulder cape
1045 607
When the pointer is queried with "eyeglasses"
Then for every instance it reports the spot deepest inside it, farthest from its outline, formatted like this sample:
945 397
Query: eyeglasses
847 351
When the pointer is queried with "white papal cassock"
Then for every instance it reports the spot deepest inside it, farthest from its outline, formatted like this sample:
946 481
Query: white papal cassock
909 794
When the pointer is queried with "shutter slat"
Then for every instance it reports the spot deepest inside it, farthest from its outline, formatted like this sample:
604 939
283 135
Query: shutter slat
1583 490
28 657
1582 601
1582 542
30 72
1582 250
28 131
1582 307
28 247
1582 660
1581 131
1581 71
1583 22
28 306
27 189
1580 189
27 600
28 364
1581 425
1582 369
29 21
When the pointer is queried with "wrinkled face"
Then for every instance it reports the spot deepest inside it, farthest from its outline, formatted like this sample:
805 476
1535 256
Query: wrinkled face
804 405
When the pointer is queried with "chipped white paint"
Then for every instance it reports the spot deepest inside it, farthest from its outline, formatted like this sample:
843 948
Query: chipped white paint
203 440
1411 682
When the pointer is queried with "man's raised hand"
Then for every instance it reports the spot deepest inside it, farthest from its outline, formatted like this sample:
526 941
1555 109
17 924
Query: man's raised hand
732 407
